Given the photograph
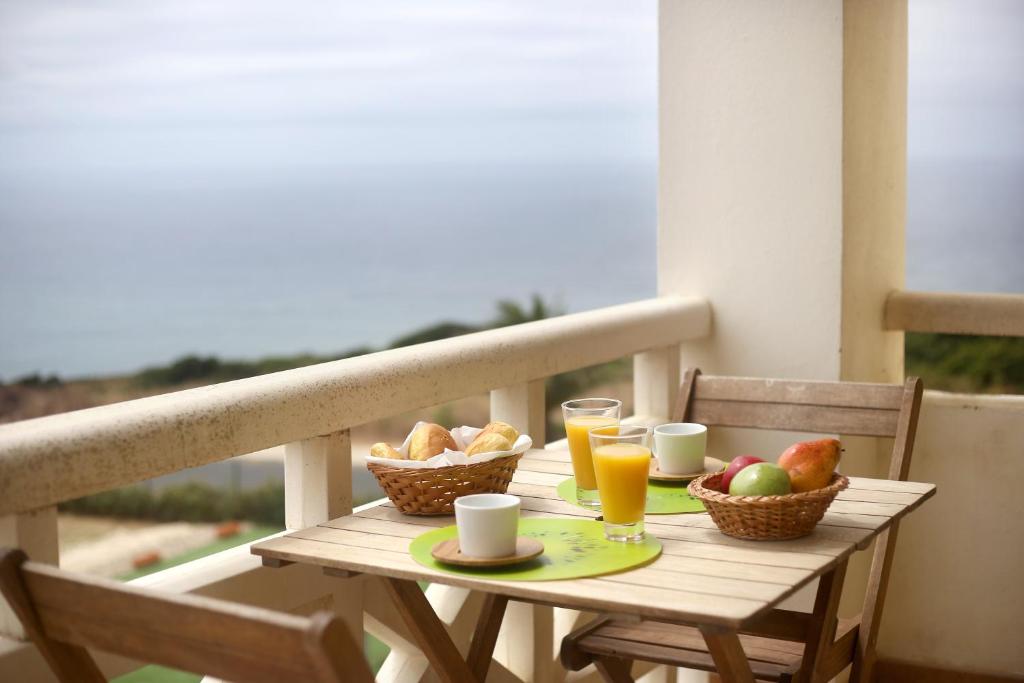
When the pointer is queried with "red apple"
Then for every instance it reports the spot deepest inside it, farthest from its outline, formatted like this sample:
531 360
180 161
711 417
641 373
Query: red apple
737 464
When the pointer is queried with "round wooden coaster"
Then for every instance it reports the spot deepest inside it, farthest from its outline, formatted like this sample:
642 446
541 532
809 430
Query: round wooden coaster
449 553
711 466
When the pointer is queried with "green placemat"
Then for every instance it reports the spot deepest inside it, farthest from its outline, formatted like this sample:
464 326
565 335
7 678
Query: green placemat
573 548
662 499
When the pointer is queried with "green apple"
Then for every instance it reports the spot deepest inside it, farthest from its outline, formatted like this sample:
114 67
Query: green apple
760 479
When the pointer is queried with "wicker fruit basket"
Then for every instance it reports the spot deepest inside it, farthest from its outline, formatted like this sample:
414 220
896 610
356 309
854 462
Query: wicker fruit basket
765 518
432 491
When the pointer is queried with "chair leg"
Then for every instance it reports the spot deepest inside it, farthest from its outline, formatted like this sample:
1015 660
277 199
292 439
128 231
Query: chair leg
613 669
822 627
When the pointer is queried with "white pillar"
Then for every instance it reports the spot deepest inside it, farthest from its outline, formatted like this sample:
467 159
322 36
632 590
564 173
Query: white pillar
656 382
522 406
782 193
317 479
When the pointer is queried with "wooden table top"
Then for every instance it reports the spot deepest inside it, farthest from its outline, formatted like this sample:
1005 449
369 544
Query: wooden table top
702 576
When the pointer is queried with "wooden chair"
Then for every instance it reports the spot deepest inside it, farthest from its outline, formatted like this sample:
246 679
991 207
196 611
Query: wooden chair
64 613
848 408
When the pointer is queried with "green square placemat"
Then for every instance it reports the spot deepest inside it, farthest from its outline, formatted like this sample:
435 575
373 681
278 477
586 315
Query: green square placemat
573 548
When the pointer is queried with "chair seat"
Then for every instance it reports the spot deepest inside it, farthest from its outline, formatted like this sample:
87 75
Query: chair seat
683 646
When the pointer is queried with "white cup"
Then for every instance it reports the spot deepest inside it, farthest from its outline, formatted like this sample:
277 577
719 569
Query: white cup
680 446
488 524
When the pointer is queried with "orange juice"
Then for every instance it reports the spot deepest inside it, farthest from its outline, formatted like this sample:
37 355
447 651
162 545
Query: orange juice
577 431
622 470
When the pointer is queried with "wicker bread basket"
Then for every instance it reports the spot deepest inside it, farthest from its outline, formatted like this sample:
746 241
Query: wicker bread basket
432 491
765 518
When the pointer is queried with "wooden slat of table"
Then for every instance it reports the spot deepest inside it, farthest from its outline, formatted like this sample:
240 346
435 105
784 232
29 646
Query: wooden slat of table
829 541
702 576
678 557
597 594
699 576
711 546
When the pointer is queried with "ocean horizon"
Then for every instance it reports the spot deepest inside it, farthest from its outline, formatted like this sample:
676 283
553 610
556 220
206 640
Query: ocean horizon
113 270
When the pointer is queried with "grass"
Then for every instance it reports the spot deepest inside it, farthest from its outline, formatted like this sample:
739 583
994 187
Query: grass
158 674
249 536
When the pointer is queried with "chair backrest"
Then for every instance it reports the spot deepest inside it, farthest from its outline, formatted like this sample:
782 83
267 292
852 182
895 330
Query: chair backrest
851 408
64 613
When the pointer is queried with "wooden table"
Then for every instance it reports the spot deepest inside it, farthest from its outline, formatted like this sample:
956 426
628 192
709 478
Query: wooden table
703 577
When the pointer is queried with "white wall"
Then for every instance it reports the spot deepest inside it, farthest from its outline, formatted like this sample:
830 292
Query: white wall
956 596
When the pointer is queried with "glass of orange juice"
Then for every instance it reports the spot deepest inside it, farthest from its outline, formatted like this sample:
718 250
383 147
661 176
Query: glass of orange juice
622 459
582 415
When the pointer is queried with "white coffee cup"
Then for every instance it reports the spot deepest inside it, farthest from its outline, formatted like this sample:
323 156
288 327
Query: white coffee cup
488 524
680 446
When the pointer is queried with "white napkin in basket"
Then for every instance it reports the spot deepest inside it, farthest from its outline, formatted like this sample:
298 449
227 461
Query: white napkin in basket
463 437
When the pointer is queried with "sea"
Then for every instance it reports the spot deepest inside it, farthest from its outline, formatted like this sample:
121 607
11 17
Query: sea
117 269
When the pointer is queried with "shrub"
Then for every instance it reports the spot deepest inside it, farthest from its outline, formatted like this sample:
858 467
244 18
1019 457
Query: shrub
190 502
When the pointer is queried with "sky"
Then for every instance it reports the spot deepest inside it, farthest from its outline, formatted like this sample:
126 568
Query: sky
966 78
198 81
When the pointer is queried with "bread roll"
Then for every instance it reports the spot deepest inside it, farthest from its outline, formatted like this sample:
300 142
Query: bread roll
503 428
488 443
383 450
430 440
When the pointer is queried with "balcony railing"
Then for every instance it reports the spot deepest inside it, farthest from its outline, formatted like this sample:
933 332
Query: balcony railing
50 460
986 314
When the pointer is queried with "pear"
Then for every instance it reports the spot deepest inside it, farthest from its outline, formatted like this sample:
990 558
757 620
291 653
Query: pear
810 464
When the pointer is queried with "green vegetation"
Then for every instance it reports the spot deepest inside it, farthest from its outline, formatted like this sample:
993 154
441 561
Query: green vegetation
37 380
157 674
210 370
967 363
189 502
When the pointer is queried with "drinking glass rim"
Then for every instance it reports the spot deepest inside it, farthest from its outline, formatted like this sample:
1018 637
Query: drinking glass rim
611 403
632 432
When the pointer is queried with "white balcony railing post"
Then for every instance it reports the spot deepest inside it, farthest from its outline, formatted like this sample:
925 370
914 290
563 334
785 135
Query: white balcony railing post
317 479
522 406
656 376
34 532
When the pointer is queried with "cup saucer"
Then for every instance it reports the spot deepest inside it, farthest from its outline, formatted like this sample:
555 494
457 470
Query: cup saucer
448 552
711 466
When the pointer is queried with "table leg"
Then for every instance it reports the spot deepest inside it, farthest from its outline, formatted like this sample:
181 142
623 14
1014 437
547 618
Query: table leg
730 659
481 650
428 631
